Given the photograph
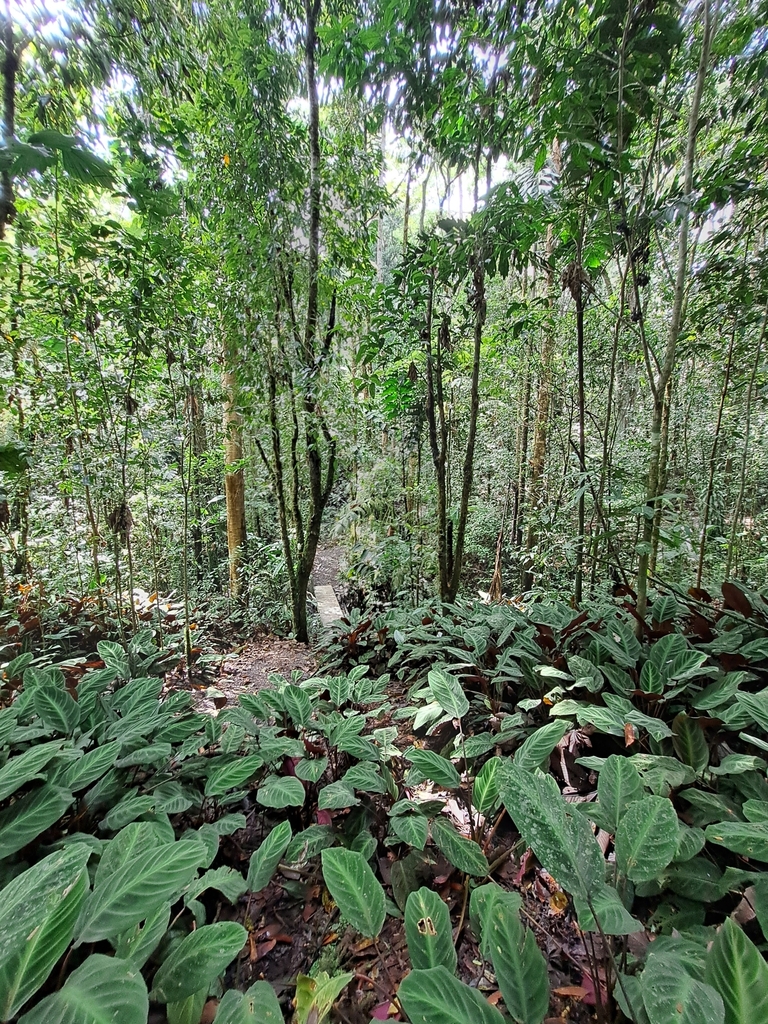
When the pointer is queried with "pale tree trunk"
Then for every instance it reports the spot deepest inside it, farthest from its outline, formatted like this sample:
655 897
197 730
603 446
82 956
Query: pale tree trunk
382 182
659 386
541 424
234 483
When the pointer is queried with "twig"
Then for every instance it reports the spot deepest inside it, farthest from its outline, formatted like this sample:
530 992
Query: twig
463 911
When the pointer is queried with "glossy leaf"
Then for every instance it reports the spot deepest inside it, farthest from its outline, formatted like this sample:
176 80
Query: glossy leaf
281 791
434 767
463 853
136 875
38 911
258 1005
646 839
428 931
740 974
539 745
103 990
562 839
264 861
436 996
356 890
198 960
448 692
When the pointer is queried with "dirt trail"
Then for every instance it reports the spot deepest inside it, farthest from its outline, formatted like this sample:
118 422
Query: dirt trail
265 654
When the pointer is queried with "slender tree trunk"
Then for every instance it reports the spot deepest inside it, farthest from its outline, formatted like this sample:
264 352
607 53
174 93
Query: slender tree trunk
745 450
675 324
579 576
10 67
478 299
663 474
713 458
234 483
539 453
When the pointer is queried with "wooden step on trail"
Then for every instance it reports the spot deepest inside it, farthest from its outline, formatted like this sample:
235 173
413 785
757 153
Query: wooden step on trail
328 607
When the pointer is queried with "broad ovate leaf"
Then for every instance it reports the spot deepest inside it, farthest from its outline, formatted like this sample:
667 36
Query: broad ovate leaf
103 990
136 875
436 996
646 839
38 911
518 963
356 890
463 853
618 786
265 860
434 767
428 931
448 693
281 791
739 973
258 1005
539 745
672 996
561 838
198 960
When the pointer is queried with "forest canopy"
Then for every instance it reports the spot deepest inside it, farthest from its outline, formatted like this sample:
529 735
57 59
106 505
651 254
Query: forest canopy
470 287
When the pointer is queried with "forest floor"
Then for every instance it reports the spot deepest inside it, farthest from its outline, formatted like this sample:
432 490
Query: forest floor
247 668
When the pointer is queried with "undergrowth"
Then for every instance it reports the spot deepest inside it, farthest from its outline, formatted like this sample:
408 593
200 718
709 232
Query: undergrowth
627 757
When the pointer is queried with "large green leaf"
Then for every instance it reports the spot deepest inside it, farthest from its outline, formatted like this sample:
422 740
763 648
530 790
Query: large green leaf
233 775
56 707
618 786
481 904
448 693
38 911
434 767
561 839
281 791
103 990
646 839
428 931
672 996
258 1005
612 916
750 840
435 996
139 942
356 890
265 860
91 766
462 853
136 875
518 963
229 882
485 789
22 768
298 705
690 743
739 973
25 819
539 745
198 960
413 829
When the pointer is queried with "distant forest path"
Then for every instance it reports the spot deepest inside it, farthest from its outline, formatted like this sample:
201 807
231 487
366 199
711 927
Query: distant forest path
250 670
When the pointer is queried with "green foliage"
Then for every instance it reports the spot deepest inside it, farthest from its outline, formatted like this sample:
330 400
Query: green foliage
428 931
355 889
